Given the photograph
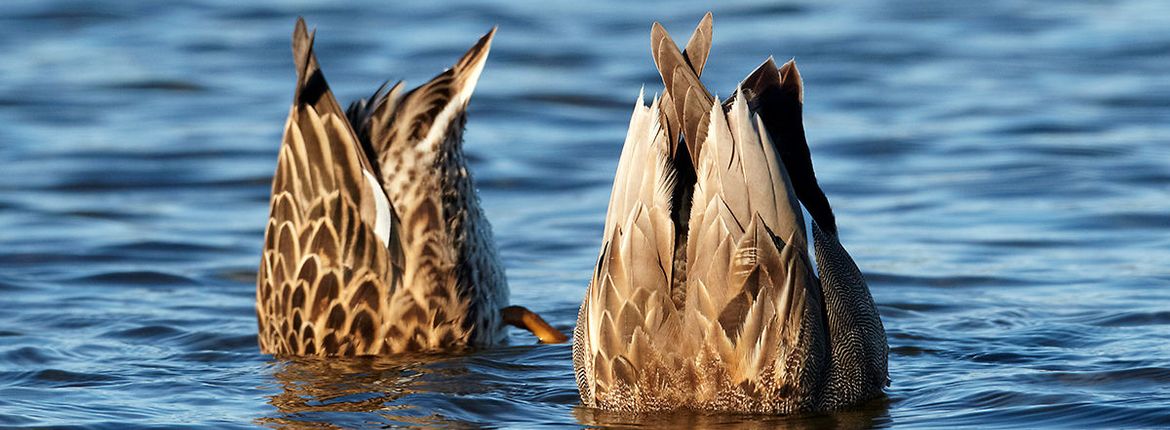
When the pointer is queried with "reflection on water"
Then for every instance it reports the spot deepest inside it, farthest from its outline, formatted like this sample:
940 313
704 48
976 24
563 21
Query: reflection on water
356 392
422 389
321 391
1000 170
872 415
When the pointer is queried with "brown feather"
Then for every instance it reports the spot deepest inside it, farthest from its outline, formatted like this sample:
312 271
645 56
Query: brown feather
347 295
681 83
699 46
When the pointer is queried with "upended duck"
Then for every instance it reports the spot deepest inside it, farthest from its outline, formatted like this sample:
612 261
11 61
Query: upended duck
376 243
704 296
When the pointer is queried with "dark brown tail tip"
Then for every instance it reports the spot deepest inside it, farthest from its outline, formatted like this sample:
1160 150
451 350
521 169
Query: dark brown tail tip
790 80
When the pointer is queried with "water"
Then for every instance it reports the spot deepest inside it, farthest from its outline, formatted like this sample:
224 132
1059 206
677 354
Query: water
1000 171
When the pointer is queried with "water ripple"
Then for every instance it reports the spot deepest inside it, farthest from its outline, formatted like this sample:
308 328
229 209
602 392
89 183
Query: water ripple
999 171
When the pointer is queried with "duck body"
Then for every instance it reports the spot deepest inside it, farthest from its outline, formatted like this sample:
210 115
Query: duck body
704 296
376 242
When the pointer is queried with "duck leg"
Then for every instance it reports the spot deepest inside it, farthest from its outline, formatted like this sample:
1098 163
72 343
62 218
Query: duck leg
519 316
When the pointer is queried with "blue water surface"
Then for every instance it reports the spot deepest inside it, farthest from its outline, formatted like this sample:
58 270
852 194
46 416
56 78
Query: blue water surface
1000 170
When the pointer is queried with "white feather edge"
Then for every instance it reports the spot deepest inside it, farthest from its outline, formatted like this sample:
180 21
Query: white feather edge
459 102
383 221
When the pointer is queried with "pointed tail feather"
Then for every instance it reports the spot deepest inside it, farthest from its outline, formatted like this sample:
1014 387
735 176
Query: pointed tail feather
778 98
689 99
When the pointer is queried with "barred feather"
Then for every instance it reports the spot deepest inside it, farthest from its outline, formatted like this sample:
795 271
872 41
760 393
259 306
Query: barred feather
375 242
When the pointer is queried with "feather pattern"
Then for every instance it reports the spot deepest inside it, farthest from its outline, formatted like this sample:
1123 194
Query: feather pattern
376 243
754 330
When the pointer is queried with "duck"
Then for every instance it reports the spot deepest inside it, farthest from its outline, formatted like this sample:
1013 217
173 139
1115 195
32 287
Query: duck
376 243
704 296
